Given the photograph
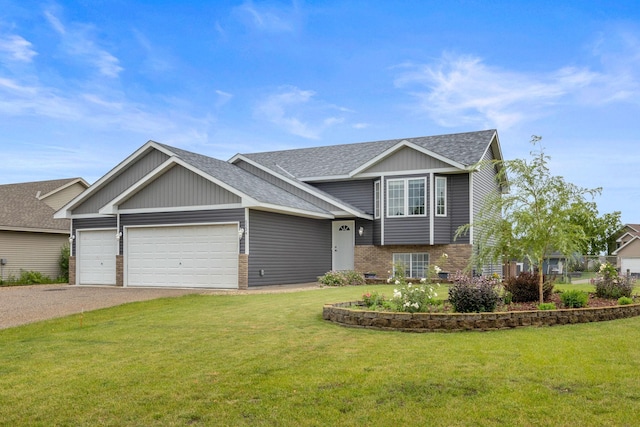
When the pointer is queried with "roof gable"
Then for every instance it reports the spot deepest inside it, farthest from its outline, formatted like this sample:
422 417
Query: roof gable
24 206
634 243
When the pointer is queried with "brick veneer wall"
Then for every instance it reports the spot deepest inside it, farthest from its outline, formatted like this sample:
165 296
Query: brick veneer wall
72 270
379 259
119 270
344 314
243 271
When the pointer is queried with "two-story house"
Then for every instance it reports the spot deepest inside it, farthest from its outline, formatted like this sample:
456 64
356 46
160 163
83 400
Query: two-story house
168 217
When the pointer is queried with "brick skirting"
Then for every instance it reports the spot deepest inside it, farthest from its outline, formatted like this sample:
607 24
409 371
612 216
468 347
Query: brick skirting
345 315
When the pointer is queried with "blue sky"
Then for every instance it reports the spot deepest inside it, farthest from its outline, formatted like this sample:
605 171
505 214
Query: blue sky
83 84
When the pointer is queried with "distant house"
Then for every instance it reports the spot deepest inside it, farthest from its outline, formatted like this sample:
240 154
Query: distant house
168 217
628 249
30 238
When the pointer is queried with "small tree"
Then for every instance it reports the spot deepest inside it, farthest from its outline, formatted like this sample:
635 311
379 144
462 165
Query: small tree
537 211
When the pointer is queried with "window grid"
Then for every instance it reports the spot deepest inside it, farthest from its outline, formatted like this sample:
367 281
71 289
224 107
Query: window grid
406 197
415 264
441 196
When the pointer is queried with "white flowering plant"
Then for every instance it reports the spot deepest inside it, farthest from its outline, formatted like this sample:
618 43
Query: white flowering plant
415 298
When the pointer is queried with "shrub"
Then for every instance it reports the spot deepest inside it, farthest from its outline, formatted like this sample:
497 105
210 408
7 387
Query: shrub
625 301
474 294
373 299
574 298
547 306
32 278
342 278
524 287
611 285
63 262
414 298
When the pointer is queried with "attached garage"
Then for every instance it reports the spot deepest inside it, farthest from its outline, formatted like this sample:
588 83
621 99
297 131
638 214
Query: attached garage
197 256
96 252
631 264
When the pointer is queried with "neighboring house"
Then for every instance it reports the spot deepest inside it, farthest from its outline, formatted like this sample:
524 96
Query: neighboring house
168 217
628 251
30 238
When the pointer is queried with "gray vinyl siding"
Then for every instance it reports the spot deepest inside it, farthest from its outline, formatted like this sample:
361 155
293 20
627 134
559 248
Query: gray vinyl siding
268 177
289 249
120 183
31 252
407 159
458 186
191 217
358 193
406 231
368 235
484 182
180 187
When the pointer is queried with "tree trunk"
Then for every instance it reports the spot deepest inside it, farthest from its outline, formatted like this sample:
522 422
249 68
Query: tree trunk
541 282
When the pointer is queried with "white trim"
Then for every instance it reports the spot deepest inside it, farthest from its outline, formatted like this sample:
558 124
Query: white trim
291 211
436 196
625 245
383 186
377 199
34 230
471 208
247 234
298 183
619 239
412 172
432 226
64 212
182 208
402 144
406 197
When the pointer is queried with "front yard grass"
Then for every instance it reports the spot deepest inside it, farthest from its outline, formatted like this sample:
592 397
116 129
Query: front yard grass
270 359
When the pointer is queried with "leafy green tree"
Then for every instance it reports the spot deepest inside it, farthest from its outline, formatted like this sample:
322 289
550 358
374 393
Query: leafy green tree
600 230
534 218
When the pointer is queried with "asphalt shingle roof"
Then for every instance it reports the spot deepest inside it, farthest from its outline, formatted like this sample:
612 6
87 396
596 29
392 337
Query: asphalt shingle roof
244 181
21 208
339 160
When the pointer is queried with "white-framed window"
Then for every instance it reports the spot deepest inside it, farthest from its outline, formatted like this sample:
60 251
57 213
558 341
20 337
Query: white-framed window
376 199
406 197
415 265
441 196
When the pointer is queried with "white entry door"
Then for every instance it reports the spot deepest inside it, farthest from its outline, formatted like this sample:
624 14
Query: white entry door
343 239
96 257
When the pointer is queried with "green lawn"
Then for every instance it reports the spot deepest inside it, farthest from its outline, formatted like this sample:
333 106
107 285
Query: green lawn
271 360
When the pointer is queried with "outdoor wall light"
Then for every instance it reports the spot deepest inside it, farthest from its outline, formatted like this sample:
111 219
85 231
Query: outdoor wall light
118 235
72 238
240 233
361 231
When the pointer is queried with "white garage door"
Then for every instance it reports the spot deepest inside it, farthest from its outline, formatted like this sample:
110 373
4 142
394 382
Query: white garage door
182 256
96 251
631 264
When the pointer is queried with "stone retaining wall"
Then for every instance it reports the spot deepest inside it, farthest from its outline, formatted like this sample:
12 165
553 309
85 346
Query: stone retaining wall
344 314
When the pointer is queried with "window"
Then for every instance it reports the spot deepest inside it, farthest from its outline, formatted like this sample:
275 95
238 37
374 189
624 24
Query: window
441 196
415 264
376 199
406 197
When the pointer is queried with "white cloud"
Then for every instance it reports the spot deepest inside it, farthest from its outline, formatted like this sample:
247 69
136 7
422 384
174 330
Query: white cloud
269 18
463 90
295 111
78 42
361 125
18 48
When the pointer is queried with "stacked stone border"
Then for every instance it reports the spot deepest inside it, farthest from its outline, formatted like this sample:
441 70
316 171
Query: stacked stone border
352 314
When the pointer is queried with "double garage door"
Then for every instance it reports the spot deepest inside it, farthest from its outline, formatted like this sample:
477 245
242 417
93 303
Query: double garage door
631 264
174 256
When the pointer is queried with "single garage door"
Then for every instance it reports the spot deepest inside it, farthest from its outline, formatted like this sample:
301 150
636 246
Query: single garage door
96 253
204 256
631 264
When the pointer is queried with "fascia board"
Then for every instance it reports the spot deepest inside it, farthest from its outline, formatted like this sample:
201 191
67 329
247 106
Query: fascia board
64 211
625 245
112 206
296 183
619 239
291 211
448 171
181 208
399 146
35 230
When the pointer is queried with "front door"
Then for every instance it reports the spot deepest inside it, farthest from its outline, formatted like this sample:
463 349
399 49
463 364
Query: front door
343 244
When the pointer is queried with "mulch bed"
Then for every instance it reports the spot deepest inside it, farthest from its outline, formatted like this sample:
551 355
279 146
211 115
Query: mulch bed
594 302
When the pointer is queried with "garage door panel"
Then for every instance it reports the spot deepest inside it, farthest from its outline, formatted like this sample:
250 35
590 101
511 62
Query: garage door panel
183 256
97 257
631 264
